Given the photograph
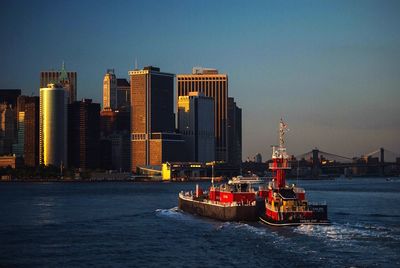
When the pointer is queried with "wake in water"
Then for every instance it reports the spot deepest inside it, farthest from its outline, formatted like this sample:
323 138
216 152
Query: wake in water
347 232
174 212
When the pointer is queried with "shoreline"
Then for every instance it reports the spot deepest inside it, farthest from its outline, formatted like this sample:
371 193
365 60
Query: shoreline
148 180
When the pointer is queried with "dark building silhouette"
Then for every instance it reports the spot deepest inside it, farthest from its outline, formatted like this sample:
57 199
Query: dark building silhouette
153 119
10 96
215 85
115 127
234 132
123 94
105 154
114 121
30 106
84 134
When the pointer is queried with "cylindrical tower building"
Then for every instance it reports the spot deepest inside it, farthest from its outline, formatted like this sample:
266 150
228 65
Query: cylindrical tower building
53 125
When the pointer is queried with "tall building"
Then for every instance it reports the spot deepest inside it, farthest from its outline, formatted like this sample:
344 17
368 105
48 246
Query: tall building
7 128
123 94
196 124
28 130
84 134
115 128
68 80
18 147
153 119
120 151
31 129
9 97
109 90
234 132
53 125
215 85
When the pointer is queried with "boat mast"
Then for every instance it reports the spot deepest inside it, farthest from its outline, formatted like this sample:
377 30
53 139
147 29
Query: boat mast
212 174
280 158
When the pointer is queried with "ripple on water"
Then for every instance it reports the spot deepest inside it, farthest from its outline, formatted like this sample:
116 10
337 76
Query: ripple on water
347 232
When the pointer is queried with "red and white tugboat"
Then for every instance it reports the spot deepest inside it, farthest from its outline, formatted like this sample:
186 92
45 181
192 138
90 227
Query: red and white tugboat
286 204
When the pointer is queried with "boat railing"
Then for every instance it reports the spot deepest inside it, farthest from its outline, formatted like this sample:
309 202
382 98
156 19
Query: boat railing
299 190
322 203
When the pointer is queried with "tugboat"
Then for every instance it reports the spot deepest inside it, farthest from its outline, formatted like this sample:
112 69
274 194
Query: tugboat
286 205
238 200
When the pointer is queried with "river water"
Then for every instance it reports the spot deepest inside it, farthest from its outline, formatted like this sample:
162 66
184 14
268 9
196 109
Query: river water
124 224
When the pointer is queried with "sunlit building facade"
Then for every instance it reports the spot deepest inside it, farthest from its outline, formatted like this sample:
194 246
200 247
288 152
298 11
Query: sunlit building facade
109 90
153 137
211 84
196 124
68 80
53 125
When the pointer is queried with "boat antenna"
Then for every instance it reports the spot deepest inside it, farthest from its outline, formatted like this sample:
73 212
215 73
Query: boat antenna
212 174
282 129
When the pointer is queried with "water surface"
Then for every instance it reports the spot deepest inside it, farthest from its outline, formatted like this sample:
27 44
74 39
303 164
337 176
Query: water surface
137 224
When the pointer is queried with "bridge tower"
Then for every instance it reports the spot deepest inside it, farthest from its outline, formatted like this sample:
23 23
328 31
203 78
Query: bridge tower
316 168
382 162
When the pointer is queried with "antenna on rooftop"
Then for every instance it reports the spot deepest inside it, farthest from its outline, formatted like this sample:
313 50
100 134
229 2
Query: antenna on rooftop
136 67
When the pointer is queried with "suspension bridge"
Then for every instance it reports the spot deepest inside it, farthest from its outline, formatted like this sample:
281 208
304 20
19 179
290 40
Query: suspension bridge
378 162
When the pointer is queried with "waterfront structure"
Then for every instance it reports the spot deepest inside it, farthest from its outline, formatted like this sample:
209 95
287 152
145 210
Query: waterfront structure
152 118
196 124
215 85
7 128
84 134
10 161
123 94
68 80
109 90
53 126
234 132
30 107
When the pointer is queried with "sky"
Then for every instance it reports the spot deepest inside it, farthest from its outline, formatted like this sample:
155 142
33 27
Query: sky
330 69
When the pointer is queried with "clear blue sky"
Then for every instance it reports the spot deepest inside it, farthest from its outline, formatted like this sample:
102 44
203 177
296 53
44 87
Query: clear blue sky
329 68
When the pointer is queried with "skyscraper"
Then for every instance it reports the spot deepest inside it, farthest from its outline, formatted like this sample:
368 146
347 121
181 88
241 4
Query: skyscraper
68 80
196 124
7 128
18 146
152 118
115 127
123 94
84 134
31 129
215 85
234 132
53 125
109 90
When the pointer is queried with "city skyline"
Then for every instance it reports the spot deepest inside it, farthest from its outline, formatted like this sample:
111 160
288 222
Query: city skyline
329 69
